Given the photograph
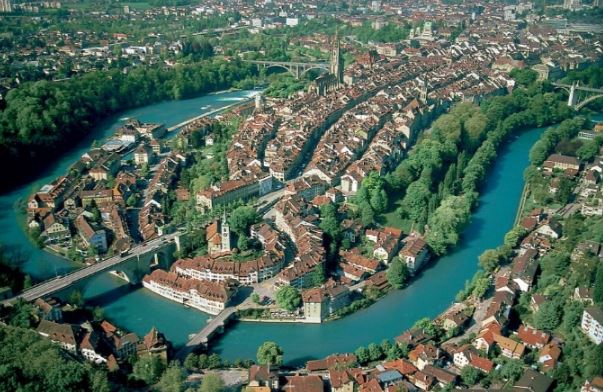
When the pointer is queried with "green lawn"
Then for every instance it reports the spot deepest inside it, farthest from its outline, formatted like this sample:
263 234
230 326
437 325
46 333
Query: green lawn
392 218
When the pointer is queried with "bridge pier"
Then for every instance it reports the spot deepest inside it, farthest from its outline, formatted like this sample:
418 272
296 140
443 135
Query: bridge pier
573 97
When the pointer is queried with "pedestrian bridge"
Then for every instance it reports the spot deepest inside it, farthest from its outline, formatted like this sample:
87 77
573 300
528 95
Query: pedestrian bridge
132 266
201 338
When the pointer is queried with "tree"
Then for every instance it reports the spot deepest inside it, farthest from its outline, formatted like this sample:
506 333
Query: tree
470 375
317 277
397 273
212 382
594 360
241 218
375 352
367 215
446 223
363 355
329 222
132 200
76 298
270 353
214 361
549 315
511 370
148 369
524 77
191 362
489 260
203 361
288 298
172 379
588 151
242 242
598 290
255 297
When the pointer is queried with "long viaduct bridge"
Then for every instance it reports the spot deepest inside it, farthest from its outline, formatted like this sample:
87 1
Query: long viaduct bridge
297 69
575 100
132 266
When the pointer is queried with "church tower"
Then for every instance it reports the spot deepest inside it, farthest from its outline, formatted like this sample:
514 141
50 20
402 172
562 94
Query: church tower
225 233
337 59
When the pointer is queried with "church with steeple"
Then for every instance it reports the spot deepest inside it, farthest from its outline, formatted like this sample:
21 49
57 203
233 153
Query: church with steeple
332 80
337 59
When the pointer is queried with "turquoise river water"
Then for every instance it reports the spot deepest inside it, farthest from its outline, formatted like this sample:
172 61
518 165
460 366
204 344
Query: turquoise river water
138 310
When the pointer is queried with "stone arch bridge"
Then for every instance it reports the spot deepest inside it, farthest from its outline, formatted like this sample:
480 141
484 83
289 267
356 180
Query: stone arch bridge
131 266
297 69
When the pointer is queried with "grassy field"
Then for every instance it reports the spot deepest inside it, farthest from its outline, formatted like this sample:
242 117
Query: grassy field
392 218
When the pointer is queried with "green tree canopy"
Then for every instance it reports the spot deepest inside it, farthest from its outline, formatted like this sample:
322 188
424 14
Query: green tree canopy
270 353
241 218
288 298
212 382
397 273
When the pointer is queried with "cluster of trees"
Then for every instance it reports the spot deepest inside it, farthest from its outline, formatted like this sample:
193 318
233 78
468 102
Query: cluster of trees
386 350
239 221
371 198
42 118
388 33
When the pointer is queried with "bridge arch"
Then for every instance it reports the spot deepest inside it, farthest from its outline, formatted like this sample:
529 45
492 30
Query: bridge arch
282 66
321 67
587 101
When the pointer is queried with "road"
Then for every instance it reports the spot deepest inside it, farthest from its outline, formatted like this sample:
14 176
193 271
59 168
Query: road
51 286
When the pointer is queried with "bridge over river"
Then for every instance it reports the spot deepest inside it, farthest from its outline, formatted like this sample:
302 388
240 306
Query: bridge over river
136 262
202 337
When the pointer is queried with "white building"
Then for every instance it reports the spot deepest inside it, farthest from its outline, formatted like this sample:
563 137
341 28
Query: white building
592 324
209 297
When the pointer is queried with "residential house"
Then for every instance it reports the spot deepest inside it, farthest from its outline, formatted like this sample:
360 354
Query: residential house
594 385
154 343
524 269
303 384
443 377
592 323
319 303
91 237
66 335
423 355
143 155
509 347
341 381
49 309
532 338
584 295
55 229
414 253
548 356
561 162
262 376
533 381
550 229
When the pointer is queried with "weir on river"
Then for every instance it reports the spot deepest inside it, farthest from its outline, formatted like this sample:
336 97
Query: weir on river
138 310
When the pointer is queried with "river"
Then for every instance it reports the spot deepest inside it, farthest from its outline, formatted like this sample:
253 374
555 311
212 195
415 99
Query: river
429 294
